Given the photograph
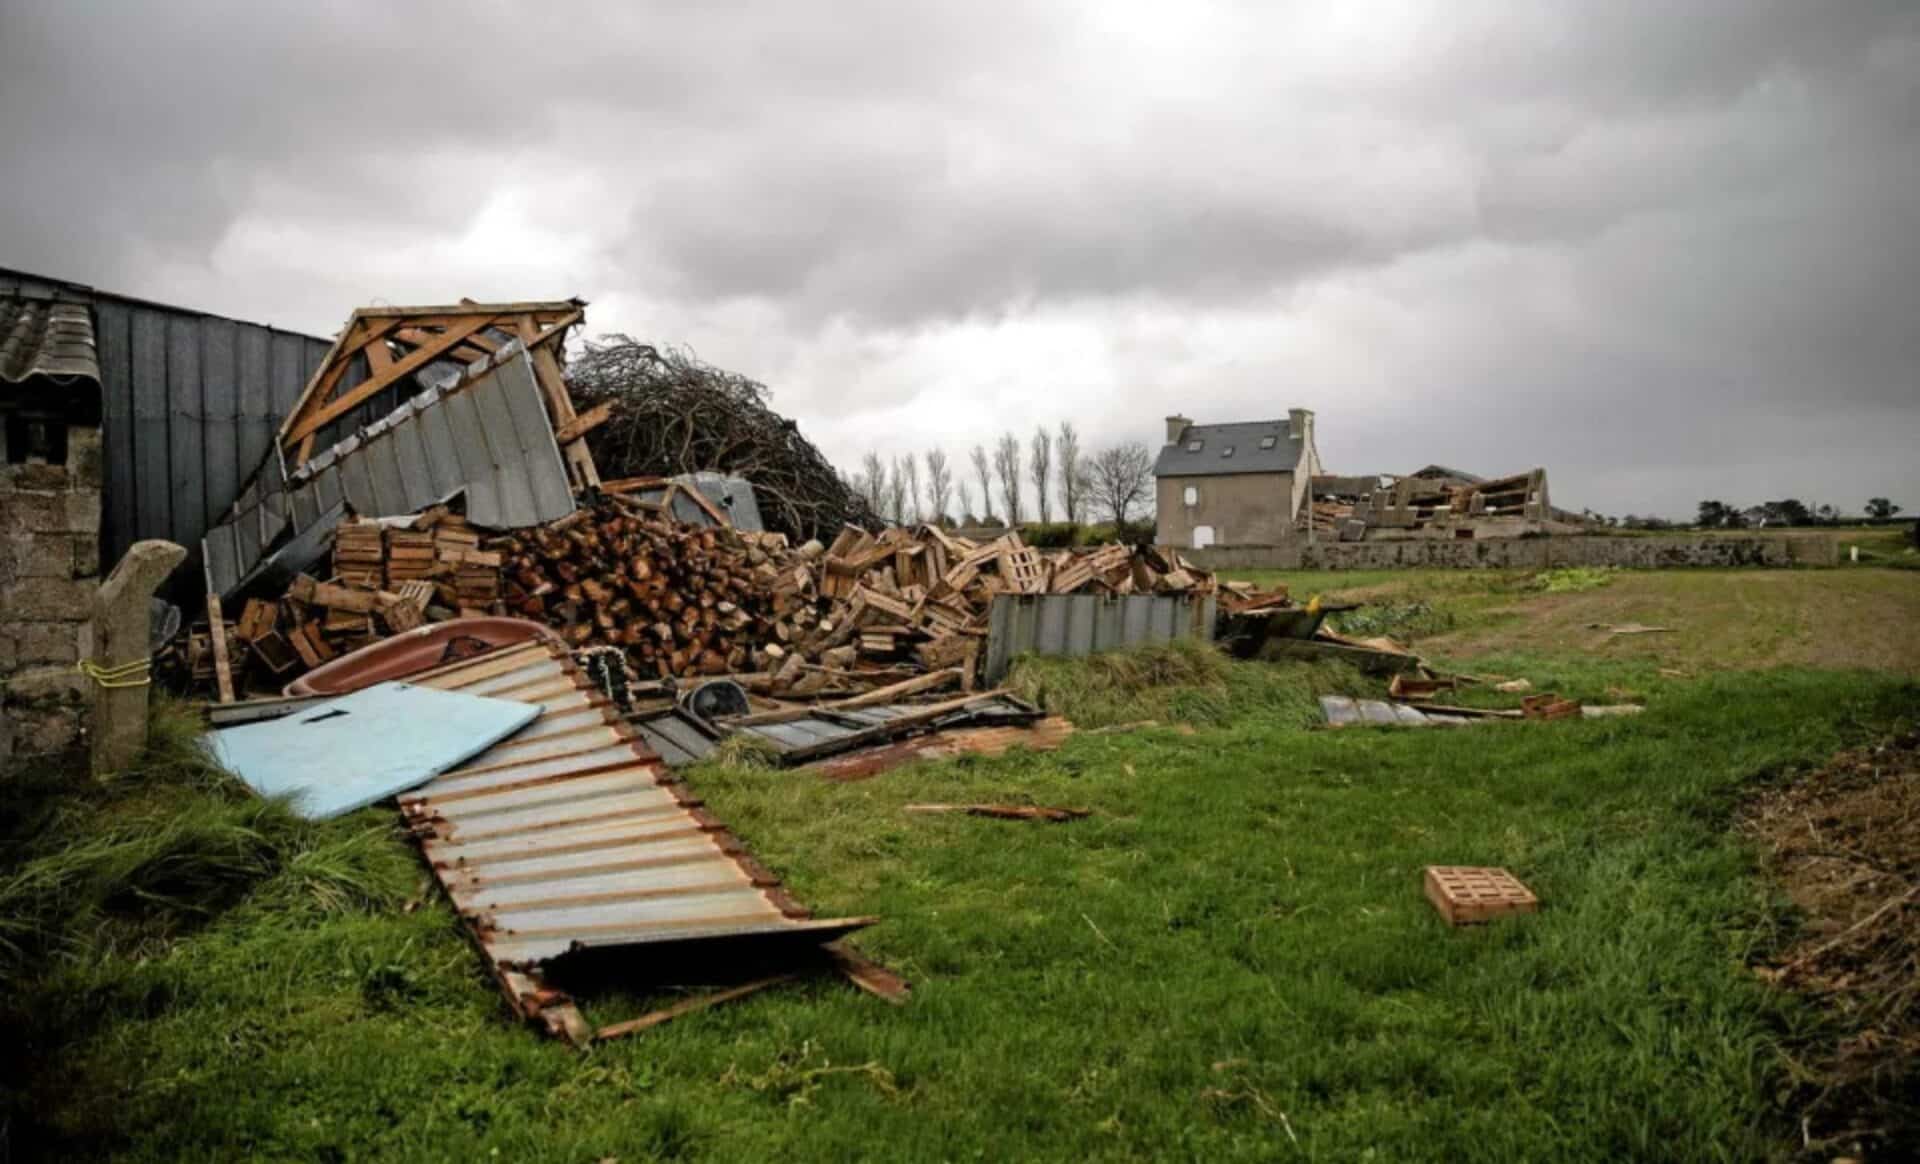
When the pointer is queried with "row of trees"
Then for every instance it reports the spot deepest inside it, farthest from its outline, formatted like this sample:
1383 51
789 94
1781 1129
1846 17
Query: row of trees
1789 511
1113 483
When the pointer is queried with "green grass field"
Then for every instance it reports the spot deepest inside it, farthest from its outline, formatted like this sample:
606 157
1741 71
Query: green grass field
1230 960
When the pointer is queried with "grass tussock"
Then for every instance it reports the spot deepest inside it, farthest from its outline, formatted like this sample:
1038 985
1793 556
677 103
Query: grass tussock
128 861
1178 682
1574 579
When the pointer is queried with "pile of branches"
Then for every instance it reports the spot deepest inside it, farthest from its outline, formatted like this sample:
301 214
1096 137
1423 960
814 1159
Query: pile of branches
674 414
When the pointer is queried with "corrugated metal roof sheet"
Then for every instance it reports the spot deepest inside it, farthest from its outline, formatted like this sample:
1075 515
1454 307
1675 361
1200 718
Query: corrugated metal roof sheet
485 435
1082 624
572 835
1211 459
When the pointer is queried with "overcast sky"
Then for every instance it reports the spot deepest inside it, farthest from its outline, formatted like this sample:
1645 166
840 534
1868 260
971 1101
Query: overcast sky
1667 250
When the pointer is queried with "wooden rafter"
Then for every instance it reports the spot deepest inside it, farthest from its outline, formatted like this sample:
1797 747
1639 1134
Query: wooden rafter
396 342
418 358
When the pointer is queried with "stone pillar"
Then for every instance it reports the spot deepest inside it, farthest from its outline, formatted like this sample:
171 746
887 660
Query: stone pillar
121 618
49 570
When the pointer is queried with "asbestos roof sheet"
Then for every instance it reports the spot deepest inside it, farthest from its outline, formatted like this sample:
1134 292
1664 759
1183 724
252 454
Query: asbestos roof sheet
47 345
1244 438
574 835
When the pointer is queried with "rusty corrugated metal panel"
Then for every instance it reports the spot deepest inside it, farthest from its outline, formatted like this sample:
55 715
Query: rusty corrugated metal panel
573 835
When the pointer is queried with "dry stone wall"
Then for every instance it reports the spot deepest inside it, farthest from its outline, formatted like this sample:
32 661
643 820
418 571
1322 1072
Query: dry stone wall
49 570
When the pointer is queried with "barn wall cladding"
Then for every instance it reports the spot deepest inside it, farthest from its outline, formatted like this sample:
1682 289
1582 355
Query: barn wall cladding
190 404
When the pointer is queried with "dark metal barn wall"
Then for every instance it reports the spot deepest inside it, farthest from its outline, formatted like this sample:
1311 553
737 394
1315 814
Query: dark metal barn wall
191 404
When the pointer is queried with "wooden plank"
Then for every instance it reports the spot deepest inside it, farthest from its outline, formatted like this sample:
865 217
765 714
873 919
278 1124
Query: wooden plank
418 358
222 670
546 370
584 423
560 306
358 333
686 1006
379 356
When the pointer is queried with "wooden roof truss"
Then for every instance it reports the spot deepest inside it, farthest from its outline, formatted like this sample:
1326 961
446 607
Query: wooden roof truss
393 343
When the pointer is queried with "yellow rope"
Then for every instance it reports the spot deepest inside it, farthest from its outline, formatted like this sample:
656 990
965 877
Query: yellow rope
135 674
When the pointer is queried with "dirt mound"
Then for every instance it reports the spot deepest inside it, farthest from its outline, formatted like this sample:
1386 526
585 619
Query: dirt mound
1845 843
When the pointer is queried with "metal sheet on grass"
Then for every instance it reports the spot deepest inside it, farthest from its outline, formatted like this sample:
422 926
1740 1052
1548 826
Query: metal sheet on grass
581 838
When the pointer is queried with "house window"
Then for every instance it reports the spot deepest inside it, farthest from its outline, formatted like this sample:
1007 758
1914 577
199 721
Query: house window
1267 442
1226 452
1195 446
1193 495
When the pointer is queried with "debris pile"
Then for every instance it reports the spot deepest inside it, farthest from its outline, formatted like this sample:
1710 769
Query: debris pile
681 600
1373 507
384 578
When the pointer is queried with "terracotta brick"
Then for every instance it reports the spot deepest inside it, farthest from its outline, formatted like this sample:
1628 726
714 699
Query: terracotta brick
1467 895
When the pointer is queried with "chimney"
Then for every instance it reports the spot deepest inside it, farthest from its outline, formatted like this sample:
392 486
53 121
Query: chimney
1176 428
1300 428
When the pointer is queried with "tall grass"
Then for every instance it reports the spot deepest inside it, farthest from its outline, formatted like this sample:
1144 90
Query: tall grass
133 859
1181 682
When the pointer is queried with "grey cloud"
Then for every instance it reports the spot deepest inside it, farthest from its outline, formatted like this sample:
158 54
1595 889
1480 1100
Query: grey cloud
1524 228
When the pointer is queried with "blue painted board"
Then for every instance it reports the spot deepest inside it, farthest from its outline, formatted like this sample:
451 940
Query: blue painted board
361 748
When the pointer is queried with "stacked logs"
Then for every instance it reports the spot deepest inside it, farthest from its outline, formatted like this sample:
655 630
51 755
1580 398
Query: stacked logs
679 599
686 600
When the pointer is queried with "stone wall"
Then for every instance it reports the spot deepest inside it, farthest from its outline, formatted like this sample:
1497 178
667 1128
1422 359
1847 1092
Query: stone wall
49 570
1540 553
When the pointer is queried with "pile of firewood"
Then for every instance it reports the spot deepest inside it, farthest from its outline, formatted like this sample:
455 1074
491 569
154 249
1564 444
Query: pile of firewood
683 600
679 599
384 578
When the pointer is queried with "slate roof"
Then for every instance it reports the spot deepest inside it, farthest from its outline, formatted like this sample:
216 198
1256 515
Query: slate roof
1244 438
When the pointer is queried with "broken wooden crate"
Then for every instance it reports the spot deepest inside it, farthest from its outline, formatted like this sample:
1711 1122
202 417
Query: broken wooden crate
1470 895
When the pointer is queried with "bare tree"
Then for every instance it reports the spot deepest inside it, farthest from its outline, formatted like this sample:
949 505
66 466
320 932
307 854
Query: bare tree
1040 464
985 475
1006 466
897 495
939 485
909 468
966 514
1073 473
1121 478
874 472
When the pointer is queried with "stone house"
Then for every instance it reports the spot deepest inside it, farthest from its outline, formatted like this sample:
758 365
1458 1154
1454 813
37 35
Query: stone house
1243 483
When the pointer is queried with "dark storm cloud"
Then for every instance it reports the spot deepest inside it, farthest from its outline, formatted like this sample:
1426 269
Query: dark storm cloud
1656 247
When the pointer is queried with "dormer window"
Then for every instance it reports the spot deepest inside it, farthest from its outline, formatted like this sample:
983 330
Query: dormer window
1195 446
1226 452
1267 442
